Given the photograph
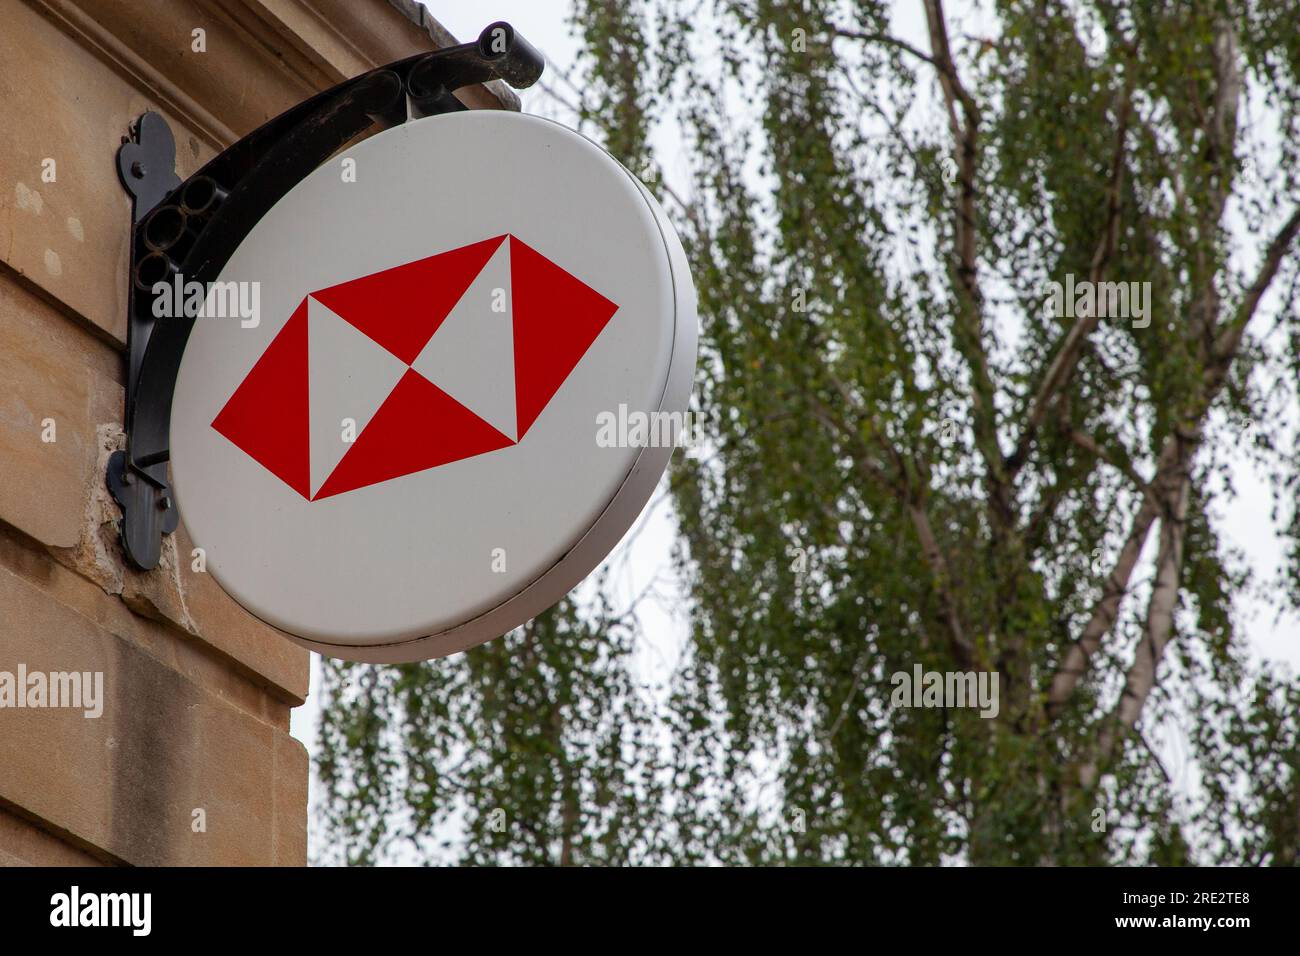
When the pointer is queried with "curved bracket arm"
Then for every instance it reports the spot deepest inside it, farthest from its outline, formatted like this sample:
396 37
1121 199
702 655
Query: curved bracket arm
193 228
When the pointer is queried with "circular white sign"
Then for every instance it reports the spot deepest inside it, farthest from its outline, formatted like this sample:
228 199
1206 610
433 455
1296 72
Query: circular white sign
445 383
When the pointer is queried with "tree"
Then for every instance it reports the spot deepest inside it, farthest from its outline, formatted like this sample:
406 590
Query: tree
921 457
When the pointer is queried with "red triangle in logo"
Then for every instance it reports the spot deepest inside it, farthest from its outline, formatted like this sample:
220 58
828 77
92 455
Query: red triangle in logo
557 317
401 308
419 426
267 415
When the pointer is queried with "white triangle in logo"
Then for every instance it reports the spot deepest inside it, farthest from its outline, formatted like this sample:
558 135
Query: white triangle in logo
472 355
350 375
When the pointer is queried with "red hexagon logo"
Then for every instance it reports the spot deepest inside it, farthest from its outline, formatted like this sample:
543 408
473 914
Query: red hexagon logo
431 362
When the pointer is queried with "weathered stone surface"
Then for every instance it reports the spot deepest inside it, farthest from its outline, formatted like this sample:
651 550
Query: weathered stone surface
70 236
130 781
52 373
25 844
194 659
292 773
175 593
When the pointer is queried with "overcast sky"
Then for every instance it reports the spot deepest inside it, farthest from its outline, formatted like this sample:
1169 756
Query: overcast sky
1246 522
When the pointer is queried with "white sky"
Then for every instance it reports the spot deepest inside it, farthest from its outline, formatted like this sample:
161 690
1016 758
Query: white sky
1245 522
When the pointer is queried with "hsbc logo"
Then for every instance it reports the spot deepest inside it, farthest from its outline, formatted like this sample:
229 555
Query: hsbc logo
437 340
435 361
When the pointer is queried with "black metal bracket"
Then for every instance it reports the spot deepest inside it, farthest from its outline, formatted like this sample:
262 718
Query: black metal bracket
192 228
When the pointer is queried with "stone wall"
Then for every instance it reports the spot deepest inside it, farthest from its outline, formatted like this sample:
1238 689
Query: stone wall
191 761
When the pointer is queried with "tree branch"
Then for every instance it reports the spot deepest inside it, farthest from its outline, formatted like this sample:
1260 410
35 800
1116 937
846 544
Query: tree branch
911 492
1079 655
963 651
1159 627
1071 349
1229 340
968 326
886 39
1124 467
1172 460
